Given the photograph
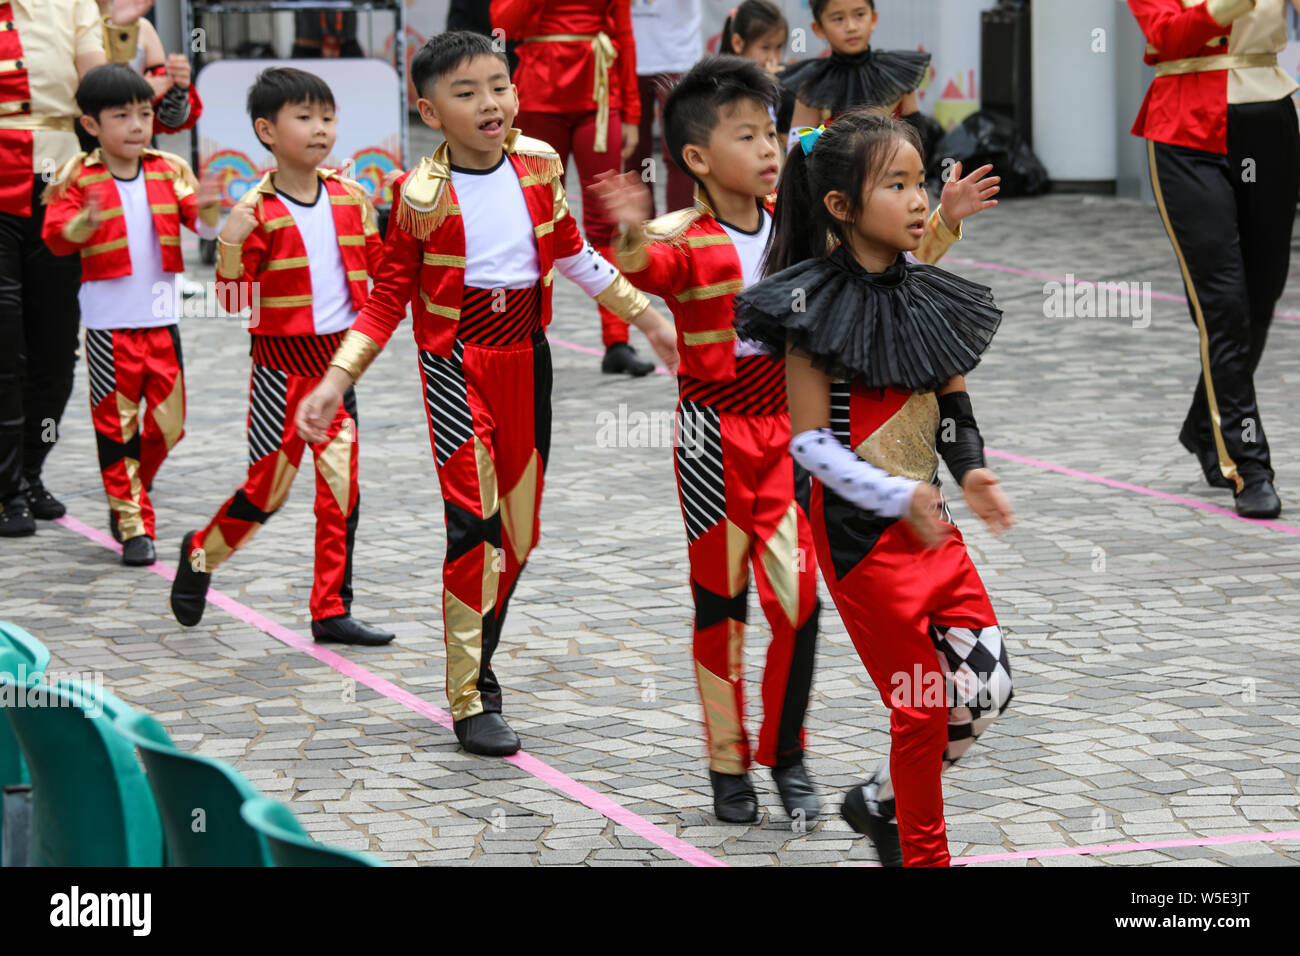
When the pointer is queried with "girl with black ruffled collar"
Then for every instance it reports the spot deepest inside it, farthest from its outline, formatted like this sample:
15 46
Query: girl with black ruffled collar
877 347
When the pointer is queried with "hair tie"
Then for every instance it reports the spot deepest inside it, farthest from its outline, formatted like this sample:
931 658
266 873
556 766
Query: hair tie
808 137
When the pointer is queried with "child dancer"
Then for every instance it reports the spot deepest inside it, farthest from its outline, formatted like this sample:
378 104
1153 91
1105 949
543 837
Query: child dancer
878 347
121 207
736 484
476 237
299 246
577 70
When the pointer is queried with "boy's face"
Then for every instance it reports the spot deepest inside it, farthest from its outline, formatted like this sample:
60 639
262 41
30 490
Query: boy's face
847 25
474 104
744 152
301 135
123 131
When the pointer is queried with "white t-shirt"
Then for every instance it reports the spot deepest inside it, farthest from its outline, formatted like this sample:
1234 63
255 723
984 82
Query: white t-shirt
752 249
145 299
331 301
667 33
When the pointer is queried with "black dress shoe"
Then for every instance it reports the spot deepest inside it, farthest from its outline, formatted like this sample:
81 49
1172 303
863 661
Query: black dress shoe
345 629
797 792
734 800
1209 460
883 833
113 528
189 587
43 505
16 520
1258 500
138 552
621 357
487 734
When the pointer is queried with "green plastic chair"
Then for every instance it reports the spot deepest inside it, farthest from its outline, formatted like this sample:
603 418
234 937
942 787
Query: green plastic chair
91 804
24 656
289 843
198 799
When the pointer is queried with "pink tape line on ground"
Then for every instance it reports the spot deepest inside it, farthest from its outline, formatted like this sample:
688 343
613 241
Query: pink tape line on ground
1012 270
575 347
1263 837
523 760
1140 490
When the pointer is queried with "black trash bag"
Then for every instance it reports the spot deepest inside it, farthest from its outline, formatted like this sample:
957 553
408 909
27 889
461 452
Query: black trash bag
987 137
928 129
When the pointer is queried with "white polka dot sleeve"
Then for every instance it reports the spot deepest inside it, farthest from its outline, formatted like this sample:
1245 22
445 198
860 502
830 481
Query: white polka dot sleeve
853 479
589 269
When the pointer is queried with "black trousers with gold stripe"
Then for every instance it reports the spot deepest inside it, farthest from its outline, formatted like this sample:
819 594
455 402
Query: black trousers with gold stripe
1229 219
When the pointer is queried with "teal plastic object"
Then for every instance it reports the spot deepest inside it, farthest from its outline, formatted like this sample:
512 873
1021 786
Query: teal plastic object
198 801
289 843
91 804
26 656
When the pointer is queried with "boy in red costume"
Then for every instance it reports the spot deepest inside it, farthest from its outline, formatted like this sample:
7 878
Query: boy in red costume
577 70
477 234
299 248
121 207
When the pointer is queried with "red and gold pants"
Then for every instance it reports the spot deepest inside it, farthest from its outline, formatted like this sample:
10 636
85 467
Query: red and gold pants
285 370
737 487
489 411
128 369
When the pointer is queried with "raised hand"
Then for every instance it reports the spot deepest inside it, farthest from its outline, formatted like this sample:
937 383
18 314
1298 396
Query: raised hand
963 197
239 224
209 193
126 12
178 70
627 200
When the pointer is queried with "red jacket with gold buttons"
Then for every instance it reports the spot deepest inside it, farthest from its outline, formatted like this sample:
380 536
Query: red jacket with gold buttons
170 185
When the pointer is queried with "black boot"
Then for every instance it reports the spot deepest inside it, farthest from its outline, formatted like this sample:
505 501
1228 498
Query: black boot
487 734
734 800
138 552
797 792
43 505
113 528
16 520
621 357
345 629
1258 499
884 834
189 587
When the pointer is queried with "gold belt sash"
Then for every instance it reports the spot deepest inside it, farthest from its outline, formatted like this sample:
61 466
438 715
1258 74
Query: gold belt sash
58 124
1206 64
602 48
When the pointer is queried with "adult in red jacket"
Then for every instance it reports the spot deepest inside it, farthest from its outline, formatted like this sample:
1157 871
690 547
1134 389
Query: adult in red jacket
1223 147
578 92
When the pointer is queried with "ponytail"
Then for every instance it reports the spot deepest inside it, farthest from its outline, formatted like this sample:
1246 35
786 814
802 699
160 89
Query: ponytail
798 231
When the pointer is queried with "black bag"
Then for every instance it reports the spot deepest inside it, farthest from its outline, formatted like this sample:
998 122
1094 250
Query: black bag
986 137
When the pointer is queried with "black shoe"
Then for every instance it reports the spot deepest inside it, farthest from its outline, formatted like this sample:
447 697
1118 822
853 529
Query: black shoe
487 734
797 793
734 800
883 833
16 520
113 528
138 552
189 587
345 629
621 357
1258 500
1209 460
43 505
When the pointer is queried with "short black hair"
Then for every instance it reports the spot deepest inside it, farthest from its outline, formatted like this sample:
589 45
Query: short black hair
818 7
446 51
111 85
691 110
281 86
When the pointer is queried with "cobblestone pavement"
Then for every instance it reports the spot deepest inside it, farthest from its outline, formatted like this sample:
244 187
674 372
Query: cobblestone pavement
1154 644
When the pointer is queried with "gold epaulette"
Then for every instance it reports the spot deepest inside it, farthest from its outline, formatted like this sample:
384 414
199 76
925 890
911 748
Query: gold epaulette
539 158
671 227
67 172
426 200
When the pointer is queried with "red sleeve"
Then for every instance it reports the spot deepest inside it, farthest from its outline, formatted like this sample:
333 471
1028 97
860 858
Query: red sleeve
664 273
625 43
374 252
1176 31
236 293
189 211
395 278
196 110
57 215
512 16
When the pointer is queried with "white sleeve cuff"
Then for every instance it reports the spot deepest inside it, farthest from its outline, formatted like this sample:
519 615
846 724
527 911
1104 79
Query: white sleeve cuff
853 479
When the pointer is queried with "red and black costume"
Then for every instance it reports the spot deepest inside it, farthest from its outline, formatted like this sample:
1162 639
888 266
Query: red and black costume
577 89
920 619
485 369
270 273
1224 155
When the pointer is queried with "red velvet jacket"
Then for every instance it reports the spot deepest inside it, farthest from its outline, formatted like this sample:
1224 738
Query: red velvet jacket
1186 108
16 102
559 77
275 257
170 185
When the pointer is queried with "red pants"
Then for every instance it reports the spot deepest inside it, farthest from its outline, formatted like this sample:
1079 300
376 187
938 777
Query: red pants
736 483
924 627
489 411
679 188
128 367
274 452
576 133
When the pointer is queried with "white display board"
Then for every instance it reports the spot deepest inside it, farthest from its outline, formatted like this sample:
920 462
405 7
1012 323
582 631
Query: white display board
368 117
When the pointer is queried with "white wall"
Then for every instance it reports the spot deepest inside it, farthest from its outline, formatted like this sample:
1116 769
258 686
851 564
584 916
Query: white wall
1074 69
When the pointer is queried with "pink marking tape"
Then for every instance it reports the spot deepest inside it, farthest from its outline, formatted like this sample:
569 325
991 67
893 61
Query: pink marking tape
523 760
1263 837
575 347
